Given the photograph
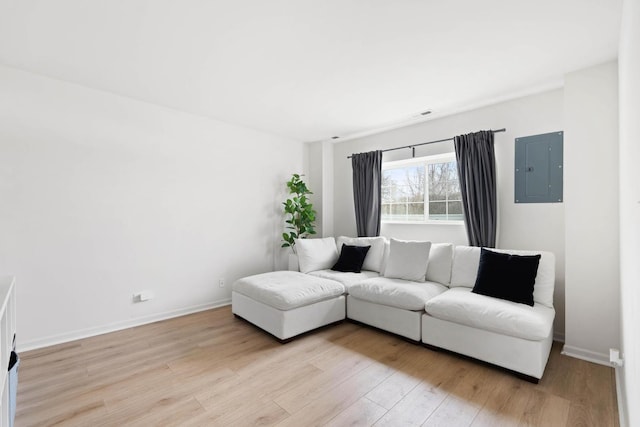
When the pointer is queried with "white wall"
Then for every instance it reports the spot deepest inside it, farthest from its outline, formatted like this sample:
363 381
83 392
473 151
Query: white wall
591 212
314 178
102 196
520 226
629 70
328 227
318 159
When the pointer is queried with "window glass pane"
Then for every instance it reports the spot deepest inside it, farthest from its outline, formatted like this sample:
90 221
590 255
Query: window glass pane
435 173
404 184
452 171
386 194
454 191
398 209
416 196
416 212
438 181
404 190
455 210
397 194
439 195
414 183
437 210
387 187
410 175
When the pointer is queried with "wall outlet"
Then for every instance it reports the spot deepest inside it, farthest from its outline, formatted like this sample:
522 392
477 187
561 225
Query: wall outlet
221 283
143 296
614 357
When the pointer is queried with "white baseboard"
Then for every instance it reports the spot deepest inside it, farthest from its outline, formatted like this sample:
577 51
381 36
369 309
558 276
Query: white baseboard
588 355
117 326
621 397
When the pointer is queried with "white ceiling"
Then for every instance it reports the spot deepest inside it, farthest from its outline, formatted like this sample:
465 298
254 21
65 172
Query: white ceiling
309 69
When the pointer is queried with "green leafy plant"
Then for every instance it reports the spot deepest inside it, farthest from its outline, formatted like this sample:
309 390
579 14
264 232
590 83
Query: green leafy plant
299 211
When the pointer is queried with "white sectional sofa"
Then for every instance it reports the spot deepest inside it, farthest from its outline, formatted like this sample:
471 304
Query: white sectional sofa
396 305
432 303
504 333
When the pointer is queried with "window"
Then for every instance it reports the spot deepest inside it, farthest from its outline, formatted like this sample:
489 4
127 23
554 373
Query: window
418 190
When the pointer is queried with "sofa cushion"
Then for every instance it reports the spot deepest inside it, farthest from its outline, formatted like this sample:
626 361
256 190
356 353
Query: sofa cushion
460 305
373 260
408 260
507 276
398 293
351 258
385 257
440 261
286 290
466 260
347 279
316 254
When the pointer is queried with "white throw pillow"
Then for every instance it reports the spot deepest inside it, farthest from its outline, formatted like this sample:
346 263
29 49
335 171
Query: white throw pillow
408 260
385 256
466 260
440 260
316 254
373 260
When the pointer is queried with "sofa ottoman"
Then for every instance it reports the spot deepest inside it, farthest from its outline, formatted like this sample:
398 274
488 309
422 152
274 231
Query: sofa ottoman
288 303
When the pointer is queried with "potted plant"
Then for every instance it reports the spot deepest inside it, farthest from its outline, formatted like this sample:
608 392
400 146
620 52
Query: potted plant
300 214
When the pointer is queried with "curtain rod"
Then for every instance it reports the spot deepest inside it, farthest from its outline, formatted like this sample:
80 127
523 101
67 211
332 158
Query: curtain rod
413 146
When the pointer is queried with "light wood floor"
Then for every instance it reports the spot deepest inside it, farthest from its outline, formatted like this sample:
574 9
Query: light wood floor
210 368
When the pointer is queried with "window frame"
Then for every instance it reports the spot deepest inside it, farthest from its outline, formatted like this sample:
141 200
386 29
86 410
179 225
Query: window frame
426 161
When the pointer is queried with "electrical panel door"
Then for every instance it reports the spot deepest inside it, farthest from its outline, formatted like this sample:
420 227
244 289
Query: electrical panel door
538 168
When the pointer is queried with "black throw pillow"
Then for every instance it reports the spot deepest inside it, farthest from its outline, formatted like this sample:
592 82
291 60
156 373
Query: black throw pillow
506 276
351 258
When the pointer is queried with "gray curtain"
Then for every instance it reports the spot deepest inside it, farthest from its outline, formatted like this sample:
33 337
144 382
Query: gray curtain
367 178
477 173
